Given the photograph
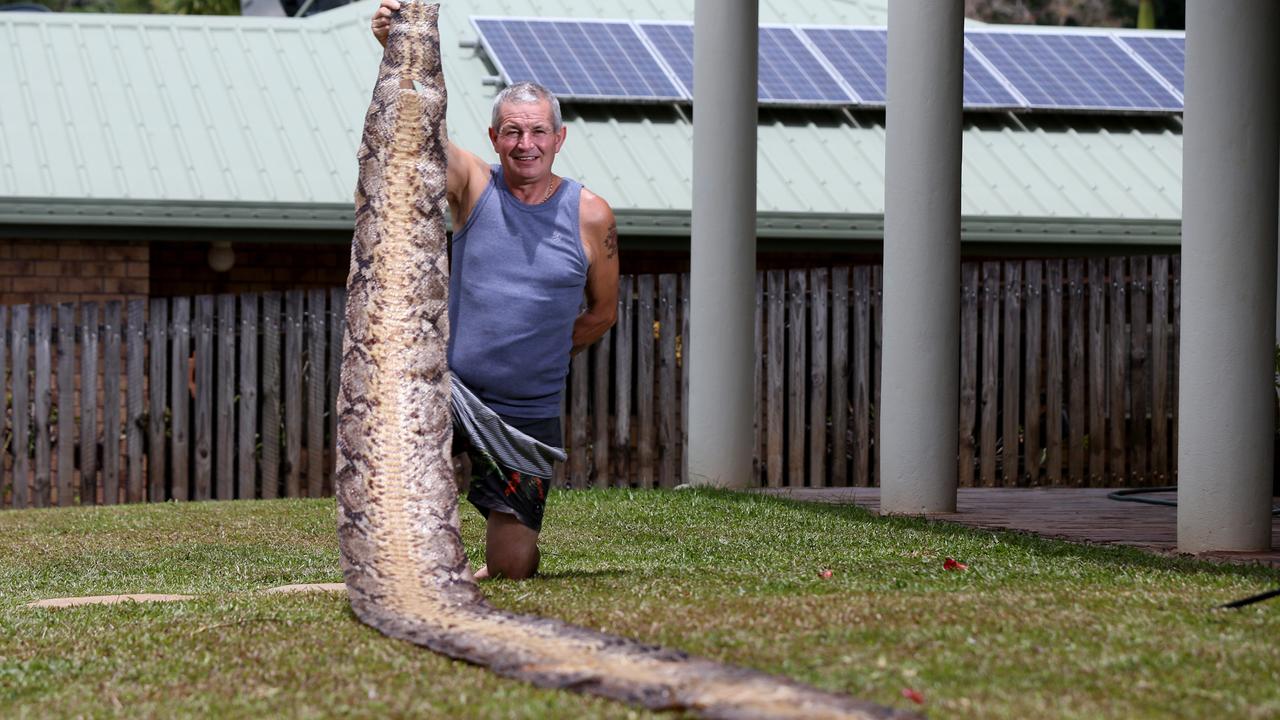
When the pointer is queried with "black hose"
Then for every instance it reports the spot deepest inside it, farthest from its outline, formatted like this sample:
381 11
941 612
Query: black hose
1135 495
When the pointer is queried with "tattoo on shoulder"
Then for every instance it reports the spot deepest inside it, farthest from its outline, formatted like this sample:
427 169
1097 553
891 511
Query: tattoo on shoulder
611 240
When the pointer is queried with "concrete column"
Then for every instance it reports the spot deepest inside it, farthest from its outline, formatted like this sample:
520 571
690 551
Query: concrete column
921 362
1230 188
722 296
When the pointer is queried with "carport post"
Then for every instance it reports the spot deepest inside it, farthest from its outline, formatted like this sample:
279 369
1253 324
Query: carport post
921 362
1230 187
723 256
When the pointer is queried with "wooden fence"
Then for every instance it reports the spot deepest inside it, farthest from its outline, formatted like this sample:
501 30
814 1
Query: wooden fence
1068 376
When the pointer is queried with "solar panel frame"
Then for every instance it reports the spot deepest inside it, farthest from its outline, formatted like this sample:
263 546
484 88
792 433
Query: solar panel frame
1151 48
1109 80
517 65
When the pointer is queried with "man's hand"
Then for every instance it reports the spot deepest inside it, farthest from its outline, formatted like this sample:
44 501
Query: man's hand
381 24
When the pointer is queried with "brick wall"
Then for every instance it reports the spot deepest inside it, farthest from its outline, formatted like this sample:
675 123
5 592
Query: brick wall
183 268
57 270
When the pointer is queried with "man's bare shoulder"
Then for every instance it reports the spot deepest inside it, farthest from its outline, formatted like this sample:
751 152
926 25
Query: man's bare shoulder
594 211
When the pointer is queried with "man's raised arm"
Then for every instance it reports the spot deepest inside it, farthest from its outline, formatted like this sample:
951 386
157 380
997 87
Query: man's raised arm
467 171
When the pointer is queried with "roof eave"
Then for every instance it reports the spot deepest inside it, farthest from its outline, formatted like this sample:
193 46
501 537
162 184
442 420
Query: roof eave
115 213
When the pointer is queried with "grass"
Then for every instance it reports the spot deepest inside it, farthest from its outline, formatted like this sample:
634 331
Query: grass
1033 628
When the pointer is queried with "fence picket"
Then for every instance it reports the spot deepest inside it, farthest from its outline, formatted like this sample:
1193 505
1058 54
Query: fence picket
66 403
156 386
839 376
797 367
315 393
600 410
668 443
684 374
1032 349
990 370
1160 370
1053 371
21 346
862 376
644 380
247 414
224 409
179 395
1076 418
877 365
1011 359
819 359
776 332
270 465
293 323
1175 268
203 410
1097 373
135 340
1118 365
111 403
624 331
43 400
578 382
758 450
1138 354
968 371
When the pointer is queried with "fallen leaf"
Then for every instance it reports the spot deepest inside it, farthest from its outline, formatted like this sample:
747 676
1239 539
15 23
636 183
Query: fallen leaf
913 695
825 573
953 564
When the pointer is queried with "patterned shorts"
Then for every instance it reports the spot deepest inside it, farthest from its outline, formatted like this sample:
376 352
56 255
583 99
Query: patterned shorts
501 489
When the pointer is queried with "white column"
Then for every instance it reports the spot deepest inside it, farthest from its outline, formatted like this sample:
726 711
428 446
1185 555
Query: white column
1230 189
722 295
921 362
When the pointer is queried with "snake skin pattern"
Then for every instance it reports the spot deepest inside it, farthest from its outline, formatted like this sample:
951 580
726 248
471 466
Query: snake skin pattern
398 528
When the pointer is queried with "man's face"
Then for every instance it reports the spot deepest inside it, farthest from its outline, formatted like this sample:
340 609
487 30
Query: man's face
526 140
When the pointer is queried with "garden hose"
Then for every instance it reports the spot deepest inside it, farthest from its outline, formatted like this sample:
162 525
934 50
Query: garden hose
1135 495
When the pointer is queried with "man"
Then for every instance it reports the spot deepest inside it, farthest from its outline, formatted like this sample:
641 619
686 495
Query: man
528 247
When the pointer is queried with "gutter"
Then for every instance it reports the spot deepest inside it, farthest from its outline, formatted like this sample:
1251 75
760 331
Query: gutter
109 217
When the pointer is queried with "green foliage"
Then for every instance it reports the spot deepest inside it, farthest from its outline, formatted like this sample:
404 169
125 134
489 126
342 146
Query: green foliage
1034 628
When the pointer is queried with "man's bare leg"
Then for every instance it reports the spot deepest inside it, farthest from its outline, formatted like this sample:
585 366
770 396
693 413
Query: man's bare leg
510 549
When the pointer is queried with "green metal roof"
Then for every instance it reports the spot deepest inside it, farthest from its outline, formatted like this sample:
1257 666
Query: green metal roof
254 122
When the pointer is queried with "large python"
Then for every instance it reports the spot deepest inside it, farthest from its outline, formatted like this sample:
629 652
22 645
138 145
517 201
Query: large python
398 529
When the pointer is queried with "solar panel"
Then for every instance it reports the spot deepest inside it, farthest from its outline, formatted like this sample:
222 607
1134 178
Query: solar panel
673 42
1073 71
591 60
1165 54
789 73
984 88
859 56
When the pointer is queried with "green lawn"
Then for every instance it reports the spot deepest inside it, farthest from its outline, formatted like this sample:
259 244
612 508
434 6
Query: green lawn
1032 629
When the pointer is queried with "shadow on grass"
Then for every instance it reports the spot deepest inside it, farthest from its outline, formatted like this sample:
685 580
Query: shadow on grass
1117 555
578 574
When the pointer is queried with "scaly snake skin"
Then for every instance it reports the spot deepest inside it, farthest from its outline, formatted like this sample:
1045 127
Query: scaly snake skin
398 529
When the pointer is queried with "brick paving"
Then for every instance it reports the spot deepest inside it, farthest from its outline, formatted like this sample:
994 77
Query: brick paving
1074 514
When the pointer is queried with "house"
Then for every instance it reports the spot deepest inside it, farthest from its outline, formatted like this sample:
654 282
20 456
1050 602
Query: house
132 147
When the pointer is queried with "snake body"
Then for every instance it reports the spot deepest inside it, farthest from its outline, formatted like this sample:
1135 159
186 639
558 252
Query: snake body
398 527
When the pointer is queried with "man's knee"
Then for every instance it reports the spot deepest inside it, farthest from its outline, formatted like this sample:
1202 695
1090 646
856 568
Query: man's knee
511 548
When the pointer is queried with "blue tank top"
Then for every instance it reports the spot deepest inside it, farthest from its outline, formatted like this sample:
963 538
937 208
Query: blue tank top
516 283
